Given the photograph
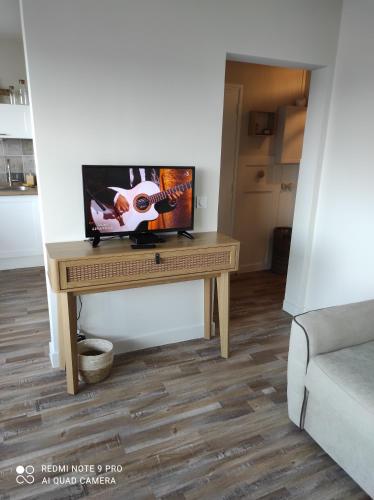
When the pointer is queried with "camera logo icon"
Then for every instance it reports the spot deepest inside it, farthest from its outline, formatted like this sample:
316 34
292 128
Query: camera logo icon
25 475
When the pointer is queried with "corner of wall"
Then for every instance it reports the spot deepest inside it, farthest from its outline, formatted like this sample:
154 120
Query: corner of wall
293 309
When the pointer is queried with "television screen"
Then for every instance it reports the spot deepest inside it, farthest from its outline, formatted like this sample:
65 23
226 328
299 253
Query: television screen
120 200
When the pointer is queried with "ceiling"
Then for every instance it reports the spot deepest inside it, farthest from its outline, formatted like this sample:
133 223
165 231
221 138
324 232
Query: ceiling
10 19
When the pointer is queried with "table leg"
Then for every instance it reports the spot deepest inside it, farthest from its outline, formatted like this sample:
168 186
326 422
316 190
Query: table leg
60 333
68 322
207 308
223 285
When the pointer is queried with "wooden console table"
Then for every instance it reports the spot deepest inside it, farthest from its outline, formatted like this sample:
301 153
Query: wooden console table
75 268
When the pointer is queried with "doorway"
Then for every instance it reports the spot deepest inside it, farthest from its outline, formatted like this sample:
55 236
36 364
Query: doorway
263 126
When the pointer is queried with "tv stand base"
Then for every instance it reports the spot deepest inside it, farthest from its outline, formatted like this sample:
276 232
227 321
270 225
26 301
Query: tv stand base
186 234
96 239
139 239
145 239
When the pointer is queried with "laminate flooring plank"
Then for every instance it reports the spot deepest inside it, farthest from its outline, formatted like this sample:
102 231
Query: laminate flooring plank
181 421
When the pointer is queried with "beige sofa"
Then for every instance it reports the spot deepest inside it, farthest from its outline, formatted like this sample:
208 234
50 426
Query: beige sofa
331 384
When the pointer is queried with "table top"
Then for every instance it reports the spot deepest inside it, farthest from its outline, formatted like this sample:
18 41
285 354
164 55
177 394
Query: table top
73 250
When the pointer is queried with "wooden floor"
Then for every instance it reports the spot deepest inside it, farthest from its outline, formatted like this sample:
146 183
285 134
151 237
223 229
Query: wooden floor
181 421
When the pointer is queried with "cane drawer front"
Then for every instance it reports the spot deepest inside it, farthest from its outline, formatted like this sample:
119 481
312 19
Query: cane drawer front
155 264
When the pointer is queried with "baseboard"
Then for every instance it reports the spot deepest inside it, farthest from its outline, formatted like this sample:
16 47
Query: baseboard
291 308
54 357
213 329
155 339
21 262
250 268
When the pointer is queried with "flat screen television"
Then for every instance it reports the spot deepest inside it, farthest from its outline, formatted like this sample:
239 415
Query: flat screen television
123 200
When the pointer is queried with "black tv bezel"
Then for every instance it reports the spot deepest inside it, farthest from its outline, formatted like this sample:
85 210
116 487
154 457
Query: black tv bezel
91 233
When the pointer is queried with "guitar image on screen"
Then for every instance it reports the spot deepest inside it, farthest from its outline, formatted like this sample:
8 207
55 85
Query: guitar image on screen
141 199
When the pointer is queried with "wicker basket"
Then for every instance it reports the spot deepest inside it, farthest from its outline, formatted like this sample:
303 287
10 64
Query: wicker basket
94 368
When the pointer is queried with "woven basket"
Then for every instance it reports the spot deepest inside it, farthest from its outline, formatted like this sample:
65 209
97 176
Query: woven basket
93 369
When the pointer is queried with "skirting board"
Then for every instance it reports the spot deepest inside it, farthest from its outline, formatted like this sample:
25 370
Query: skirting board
21 262
144 341
53 357
251 268
292 309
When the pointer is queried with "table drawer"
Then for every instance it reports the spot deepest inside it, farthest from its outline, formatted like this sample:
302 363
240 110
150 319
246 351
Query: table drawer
155 264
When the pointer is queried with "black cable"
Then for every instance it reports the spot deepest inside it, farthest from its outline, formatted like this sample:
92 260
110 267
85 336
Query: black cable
305 398
106 238
80 307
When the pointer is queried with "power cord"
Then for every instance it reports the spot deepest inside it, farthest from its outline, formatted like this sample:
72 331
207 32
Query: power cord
80 307
80 336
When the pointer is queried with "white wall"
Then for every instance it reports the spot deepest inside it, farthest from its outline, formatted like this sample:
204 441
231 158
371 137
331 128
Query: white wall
308 190
342 266
12 62
142 82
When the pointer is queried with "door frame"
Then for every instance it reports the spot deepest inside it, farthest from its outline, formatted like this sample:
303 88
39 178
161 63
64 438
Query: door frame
240 89
297 299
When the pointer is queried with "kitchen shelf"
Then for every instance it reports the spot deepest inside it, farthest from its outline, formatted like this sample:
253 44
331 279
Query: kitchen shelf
261 123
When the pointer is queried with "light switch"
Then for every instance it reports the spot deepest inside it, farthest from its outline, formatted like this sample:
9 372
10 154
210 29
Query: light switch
201 202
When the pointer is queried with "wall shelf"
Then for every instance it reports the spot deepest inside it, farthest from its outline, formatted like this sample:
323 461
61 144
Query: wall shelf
261 123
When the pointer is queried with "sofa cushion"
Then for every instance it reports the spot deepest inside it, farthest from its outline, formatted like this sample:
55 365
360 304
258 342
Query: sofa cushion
345 378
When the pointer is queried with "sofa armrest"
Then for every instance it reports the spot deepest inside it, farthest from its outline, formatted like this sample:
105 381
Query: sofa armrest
296 371
338 327
319 332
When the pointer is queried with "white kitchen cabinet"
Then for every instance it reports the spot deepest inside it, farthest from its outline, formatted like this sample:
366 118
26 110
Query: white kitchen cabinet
290 134
15 121
20 234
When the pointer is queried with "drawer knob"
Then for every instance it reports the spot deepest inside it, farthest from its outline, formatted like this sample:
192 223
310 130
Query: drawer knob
157 258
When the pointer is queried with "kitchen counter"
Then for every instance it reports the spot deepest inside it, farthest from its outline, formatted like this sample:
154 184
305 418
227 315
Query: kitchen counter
13 192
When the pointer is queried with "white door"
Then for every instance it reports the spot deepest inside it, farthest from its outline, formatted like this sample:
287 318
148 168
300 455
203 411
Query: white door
251 199
265 198
257 200
229 156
